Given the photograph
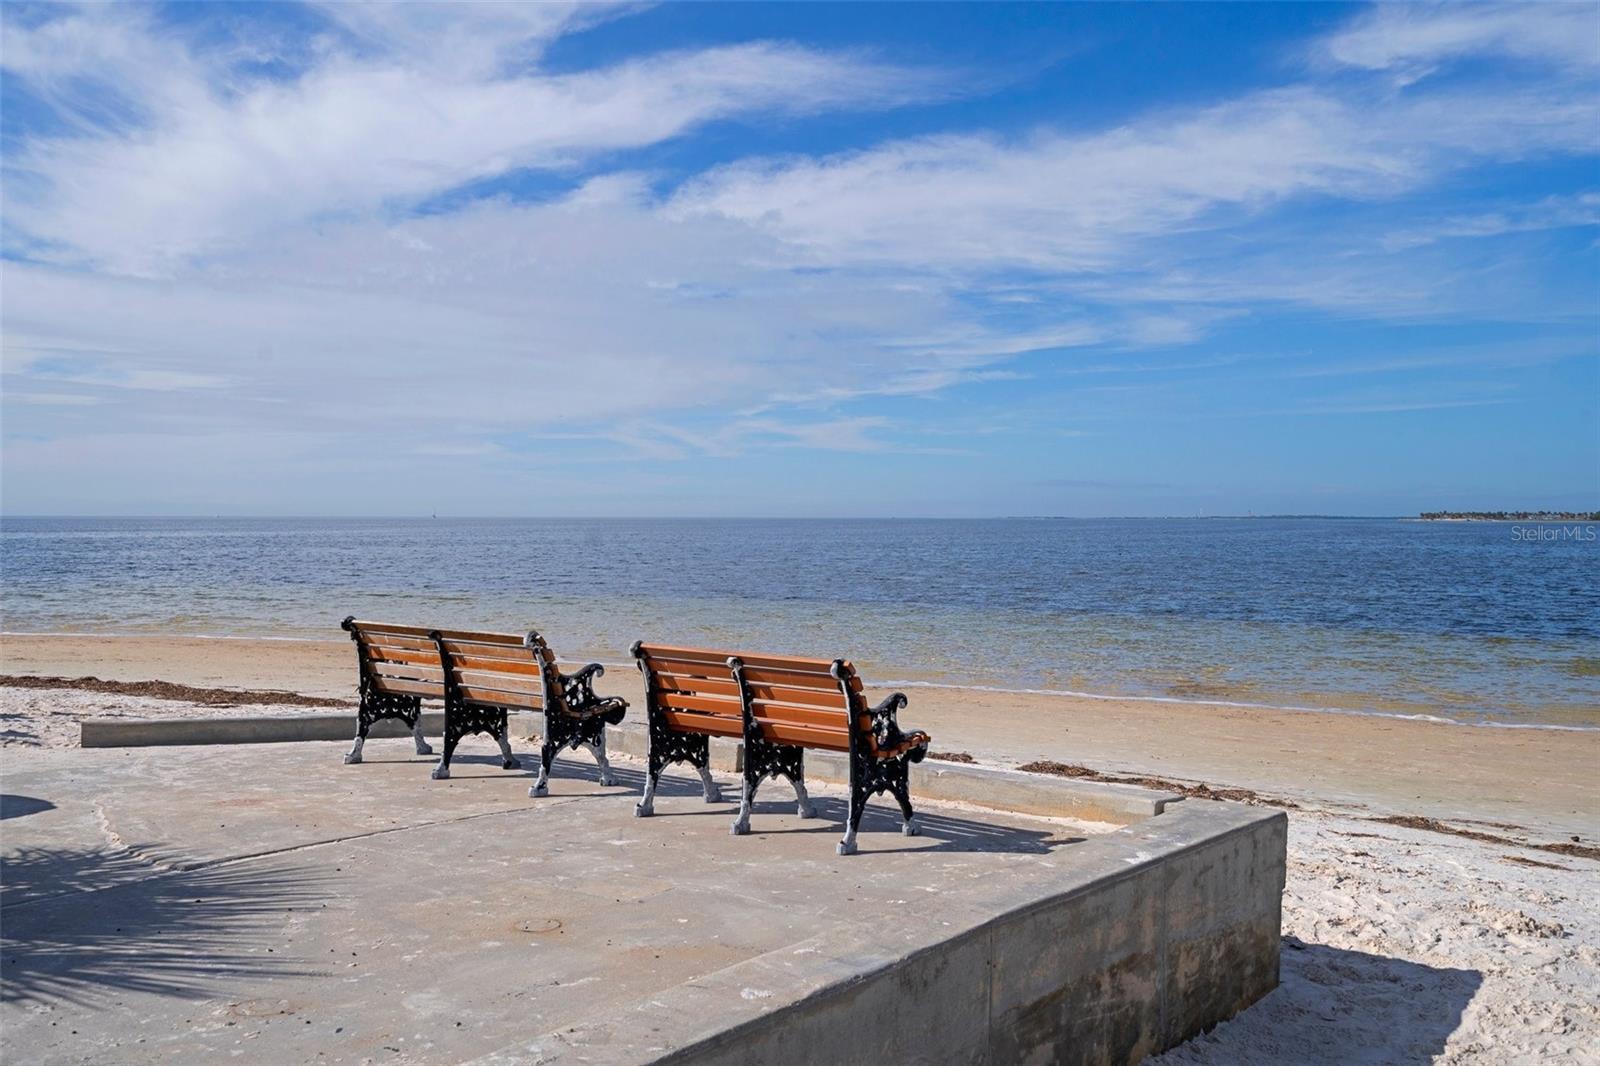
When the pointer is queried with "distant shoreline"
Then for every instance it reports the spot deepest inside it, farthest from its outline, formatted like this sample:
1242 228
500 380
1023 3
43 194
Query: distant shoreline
1508 516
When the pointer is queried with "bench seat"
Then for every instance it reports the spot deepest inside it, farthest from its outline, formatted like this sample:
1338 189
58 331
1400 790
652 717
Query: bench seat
778 706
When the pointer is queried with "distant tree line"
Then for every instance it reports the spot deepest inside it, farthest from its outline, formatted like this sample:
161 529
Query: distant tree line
1511 516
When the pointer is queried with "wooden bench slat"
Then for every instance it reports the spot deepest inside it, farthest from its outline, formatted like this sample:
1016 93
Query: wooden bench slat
429 657
417 636
766 711
409 688
416 645
690 668
496 680
408 671
806 736
711 724
679 701
499 666
478 694
806 696
472 636
368 628
709 655
714 686
792 678
469 649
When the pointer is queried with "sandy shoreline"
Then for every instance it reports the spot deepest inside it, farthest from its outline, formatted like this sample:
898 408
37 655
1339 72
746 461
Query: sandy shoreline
1401 944
1539 780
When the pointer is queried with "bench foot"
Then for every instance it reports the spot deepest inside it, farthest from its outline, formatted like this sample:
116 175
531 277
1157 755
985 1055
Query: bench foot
911 828
598 750
802 805
741 823
352 757
538 791
643 810
713 791
847 847
508 761
440 773
423 747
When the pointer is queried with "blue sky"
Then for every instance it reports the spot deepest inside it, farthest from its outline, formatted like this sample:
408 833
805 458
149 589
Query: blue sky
769 259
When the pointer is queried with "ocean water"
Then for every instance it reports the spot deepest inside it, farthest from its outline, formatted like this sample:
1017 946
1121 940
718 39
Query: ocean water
1482 623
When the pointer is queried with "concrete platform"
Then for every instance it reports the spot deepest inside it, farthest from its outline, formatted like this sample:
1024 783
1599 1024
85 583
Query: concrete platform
268 904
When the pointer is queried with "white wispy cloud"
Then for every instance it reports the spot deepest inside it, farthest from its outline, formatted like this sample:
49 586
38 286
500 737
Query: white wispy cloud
1550 212
198 159
1073 203
1415 39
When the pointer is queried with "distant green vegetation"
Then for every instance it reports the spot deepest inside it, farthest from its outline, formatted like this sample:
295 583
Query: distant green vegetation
1510 516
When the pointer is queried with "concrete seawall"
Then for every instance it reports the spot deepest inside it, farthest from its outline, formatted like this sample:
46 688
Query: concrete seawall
1156 933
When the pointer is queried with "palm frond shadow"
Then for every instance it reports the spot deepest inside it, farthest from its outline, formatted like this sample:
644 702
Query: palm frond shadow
79 924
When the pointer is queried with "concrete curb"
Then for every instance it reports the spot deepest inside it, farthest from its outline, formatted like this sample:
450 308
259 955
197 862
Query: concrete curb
258 729
1007 790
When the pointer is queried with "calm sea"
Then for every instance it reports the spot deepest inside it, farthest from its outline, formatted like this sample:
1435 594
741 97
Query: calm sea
1475 622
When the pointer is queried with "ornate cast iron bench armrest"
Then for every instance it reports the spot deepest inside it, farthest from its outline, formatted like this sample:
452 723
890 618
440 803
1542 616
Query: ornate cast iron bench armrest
887 735
579 720
582 701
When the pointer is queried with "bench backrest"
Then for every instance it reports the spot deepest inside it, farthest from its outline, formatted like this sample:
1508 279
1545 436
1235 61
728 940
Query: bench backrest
793 700
501 669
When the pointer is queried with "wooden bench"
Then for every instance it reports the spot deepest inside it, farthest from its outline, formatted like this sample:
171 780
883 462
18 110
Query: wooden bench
479 677
779 706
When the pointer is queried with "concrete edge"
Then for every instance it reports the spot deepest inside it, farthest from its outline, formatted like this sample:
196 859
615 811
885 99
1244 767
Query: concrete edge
240 729
981 786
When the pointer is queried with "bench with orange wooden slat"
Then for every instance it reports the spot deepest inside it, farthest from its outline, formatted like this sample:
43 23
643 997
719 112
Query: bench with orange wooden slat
778 705
480 677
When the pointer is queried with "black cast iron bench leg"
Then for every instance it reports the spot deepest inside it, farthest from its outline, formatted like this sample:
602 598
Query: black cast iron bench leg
473 718
375 707
762 760
668 747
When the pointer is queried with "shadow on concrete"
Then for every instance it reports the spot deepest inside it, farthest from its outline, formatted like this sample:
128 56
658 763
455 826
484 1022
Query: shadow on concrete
21 806
1335 1006
78 925
940 832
